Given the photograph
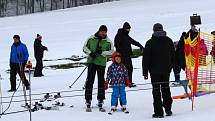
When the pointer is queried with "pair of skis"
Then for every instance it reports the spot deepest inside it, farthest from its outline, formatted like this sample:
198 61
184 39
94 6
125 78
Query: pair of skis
115 110
39 106
49 97
101 109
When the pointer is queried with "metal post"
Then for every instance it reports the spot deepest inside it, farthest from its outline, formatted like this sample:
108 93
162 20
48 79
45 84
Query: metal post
29 66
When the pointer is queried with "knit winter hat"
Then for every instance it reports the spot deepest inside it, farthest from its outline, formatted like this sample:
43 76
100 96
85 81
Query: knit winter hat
103 28
126 25
39 37
213 32
17 37
157 27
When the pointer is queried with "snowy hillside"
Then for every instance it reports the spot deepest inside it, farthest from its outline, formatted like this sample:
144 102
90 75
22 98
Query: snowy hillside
64 33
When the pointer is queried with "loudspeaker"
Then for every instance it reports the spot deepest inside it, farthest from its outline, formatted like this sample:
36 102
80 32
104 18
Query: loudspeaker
195 19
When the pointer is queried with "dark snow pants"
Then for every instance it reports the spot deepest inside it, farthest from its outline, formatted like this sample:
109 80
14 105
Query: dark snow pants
128 64
177 70
161 89
92 69
14 69
38 68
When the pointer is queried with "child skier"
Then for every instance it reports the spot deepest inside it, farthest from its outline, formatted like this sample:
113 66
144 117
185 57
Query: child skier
117 75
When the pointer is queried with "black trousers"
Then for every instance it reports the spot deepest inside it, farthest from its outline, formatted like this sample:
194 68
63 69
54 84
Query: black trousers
14 69
161 89
177 70
126 60
38 68
92 69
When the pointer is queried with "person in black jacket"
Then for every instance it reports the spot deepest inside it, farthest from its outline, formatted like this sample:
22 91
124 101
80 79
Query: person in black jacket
158 60
122 42
180 55
38 54
179 58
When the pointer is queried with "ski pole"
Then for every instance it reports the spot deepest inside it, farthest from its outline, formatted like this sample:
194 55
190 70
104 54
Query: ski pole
29 66
78 77
22 76
22 79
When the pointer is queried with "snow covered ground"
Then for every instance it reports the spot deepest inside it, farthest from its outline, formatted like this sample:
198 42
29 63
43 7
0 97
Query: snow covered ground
65 31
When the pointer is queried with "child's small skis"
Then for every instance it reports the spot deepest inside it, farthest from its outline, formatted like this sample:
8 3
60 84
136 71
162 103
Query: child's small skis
114 110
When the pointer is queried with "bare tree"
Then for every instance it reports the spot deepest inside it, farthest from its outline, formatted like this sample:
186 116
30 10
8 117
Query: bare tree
17 7
26 9
32 6
1 8
68 3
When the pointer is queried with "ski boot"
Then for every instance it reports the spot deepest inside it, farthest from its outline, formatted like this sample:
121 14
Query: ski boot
157 116
100 104
113 109
124 109
169 113
88 104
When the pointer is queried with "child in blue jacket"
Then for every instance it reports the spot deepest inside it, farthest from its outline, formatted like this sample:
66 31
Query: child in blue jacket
117 75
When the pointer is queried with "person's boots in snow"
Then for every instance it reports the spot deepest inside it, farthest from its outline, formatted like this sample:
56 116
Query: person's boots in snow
88 104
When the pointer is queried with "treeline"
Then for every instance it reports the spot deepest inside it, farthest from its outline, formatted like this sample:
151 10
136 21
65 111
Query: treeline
19 7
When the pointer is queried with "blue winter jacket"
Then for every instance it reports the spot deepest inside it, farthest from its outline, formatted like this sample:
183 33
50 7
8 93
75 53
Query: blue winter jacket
18 53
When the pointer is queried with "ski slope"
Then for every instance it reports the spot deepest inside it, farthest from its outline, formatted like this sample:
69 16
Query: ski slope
64 33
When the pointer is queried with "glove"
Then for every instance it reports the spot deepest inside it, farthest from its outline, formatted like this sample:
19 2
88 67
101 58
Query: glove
141 48
146 77
45 48
106 85
128 83
99 50
93 55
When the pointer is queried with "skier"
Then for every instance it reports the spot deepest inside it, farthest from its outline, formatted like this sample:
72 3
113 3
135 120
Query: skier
97 47
158 60
18 59
117 75
38 54
122 42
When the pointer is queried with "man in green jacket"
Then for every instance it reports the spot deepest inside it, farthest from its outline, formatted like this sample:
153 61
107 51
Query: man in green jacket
97 47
